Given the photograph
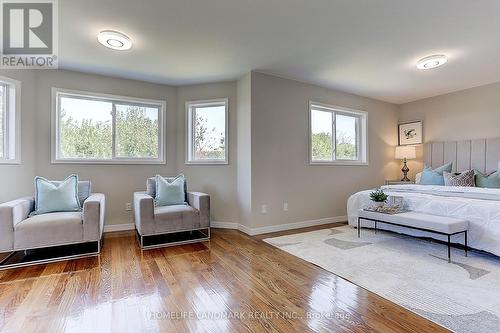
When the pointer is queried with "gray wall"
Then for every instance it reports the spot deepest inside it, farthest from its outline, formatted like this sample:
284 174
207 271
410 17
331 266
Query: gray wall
17 180
268 148
280 164
244 153
118 182
218 180
468 114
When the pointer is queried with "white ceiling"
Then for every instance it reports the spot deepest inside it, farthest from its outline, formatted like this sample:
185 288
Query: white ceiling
367 47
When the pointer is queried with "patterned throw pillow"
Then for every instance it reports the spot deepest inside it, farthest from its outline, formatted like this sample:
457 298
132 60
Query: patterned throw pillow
465 178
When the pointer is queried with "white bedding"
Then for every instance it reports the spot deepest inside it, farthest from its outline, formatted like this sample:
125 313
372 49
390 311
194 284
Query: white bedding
480 206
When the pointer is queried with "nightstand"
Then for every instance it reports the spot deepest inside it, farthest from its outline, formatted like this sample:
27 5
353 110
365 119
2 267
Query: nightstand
398 182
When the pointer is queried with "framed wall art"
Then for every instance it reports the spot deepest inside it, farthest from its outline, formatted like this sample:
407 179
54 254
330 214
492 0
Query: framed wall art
410 133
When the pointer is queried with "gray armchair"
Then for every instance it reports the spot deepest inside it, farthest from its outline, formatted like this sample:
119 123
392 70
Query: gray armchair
171 225
18 231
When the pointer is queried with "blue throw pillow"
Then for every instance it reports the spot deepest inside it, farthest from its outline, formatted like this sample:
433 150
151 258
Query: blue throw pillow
61 198
434 177
488 181
170 193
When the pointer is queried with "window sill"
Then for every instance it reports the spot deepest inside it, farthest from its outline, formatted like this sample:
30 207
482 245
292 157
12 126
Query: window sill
10 162
339 163
206 162
107 162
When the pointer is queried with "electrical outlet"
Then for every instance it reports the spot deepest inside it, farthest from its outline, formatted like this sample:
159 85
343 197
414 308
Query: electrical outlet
285 207
264 209
128 206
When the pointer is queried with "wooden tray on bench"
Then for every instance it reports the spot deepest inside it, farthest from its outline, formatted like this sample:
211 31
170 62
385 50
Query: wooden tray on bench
383 210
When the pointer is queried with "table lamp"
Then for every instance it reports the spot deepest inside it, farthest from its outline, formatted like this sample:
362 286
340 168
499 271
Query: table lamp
405 153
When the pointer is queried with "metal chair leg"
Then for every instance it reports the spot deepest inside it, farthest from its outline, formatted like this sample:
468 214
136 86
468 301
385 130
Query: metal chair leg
4 260
466 243
449 250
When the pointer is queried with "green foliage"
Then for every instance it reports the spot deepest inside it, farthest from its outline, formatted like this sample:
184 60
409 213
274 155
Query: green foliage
345 149
85 139
136 136
322 147
378 196
207 143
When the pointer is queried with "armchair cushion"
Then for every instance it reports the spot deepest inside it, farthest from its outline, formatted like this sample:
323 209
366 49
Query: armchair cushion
48 230
170 192
176 218
56 198
151 186
84 189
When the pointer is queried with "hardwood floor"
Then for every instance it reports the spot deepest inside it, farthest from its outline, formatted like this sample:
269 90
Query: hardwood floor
234 283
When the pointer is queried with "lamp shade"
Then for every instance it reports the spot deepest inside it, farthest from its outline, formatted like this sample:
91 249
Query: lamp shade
408 152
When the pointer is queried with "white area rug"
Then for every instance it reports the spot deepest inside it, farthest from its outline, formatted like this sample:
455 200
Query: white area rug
463 296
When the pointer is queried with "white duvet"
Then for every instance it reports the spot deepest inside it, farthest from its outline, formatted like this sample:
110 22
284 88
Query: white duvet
480 206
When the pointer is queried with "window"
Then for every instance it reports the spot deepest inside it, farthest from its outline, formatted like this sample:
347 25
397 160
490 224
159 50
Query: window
207 132
337 135
96 128
9 121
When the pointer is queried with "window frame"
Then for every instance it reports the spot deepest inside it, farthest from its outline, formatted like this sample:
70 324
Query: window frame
361 134
12 122
190 106
114 99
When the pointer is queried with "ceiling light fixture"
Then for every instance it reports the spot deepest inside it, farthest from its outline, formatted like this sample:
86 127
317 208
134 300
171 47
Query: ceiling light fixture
432 61
114 40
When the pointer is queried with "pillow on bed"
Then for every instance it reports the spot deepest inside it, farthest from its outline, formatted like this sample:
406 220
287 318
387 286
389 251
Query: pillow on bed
491 180
465 178
418 176
434 177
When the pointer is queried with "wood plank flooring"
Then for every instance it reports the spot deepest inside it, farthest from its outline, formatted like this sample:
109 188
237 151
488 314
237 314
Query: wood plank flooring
234 283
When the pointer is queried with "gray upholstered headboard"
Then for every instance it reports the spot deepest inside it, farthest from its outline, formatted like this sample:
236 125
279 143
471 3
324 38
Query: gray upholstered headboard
481 154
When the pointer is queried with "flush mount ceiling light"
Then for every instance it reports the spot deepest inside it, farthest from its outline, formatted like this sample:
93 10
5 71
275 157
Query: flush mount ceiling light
432 61
114 40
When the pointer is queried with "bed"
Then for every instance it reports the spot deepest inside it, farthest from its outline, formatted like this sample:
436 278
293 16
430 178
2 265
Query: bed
480 206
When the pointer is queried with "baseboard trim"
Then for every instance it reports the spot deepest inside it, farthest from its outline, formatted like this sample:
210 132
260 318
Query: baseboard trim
297 225
119 227
224 225
276 228
245 229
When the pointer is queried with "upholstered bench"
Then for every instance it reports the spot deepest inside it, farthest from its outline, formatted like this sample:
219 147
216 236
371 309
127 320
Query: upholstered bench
442 225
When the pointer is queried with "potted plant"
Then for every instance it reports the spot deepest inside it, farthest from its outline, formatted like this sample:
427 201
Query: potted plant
378 197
